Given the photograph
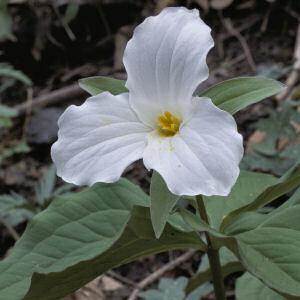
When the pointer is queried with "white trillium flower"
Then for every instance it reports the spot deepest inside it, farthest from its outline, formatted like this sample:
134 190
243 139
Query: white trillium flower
190 142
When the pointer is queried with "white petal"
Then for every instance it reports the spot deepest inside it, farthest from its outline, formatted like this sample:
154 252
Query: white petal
204 157
98 140
165 62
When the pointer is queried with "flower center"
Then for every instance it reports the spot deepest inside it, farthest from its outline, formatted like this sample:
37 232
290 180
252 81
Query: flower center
168 124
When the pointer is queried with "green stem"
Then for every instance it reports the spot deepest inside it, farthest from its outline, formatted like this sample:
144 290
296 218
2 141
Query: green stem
213 256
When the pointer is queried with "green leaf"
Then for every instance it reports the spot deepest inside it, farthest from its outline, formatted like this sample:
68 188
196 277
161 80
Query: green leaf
274 164
71 12
80 236
44 188
247 188
274 71
229 264
270 249
98 84
167 289
250 288
292 152
197 223
21 147
234 94
5 21
6 111
9 71
286 183
66 188
294 200
201 290
279 122
5 122
162 203
14 209
174 289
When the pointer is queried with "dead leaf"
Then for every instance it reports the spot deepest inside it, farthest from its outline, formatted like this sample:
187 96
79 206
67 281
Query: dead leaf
110 284
90 291
121 39
282 142
203 3
256 138
220 4
161 4
247 5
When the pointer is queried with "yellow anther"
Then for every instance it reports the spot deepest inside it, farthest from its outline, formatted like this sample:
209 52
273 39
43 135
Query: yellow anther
168 124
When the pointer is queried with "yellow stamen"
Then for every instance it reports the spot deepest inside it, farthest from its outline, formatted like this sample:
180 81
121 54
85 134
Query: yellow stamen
168 124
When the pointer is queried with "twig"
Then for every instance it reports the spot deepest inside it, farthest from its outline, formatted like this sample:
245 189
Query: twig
103 17
65 25
157 274
28 110
294 75
68 92
265 22
11 230
292 13
224 36
230 28
121 278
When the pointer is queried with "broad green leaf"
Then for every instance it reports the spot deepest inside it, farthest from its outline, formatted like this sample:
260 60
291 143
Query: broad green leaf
6 111
63 189
292 152
167 289
44 188
71 12
196 222
80 236
162 203
14 209
250 288
270 249
294 200
286 183
21 147
229 264
201 290
98 84
234 94
279 121
248 186
274 71
9 71
175 289
5 122
274 164
5 21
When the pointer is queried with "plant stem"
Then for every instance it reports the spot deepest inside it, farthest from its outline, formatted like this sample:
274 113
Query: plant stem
213 256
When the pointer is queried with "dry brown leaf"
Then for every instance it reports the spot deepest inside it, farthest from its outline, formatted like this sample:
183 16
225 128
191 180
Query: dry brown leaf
220 4
90 291
110 284
282 142
121 39
203 3
247 5
161 4
296 125
256 138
